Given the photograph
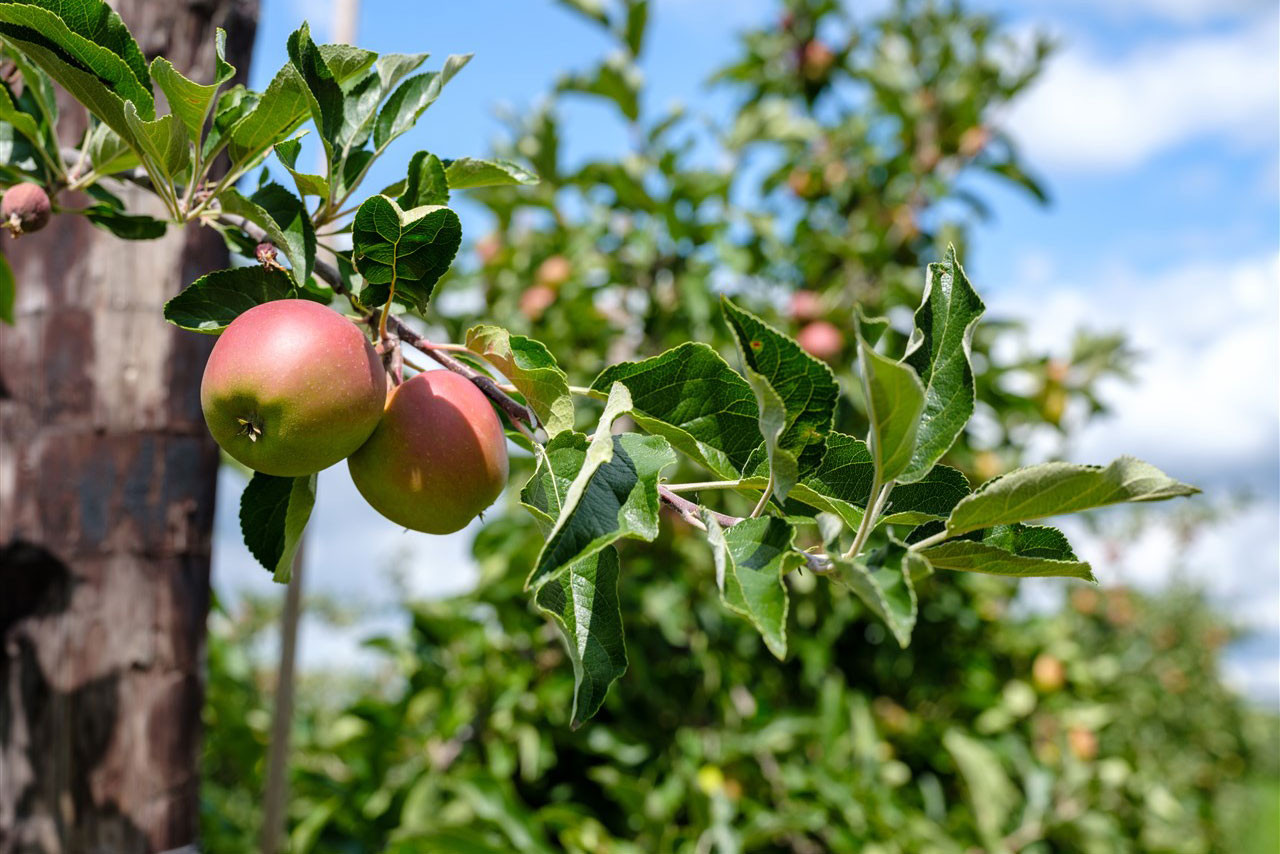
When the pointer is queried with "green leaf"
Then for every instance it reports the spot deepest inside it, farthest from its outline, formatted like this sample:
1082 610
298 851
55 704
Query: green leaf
992 796
583 601
1022 551
607 490
211 302
691 396
277 113
882 580
405 250
751 559
939 353
125 226
426 184
87 35
108 153
324 94
24 123
191 101
39 89
591 9
284 218
307 184
615 79
806 386
411 99
636 24
1051 489
93 92
162 144
363 95
16 152
8 291
532 370
347 62
783 468
842 485
273 513
466 173
894 400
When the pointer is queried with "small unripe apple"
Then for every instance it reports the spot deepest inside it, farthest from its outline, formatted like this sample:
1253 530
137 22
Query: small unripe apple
821 340
292 387
554 271
1082 742
488 247
806 305
25 208
803 184
1047 673
437 458
973 140
817 61
535 301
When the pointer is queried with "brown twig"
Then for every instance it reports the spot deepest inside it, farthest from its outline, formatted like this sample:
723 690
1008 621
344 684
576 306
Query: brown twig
691 512
405 333
518 412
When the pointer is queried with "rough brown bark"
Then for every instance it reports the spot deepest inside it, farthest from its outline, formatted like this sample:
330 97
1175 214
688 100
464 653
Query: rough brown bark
106 510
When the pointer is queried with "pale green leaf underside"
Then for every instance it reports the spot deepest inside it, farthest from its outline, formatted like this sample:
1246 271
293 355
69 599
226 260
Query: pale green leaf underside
612 494
939 353
784 469
894 399
751 559
882 580
532 370
583 600
1051 489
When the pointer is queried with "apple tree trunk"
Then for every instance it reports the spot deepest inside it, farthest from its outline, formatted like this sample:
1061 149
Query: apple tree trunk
106 510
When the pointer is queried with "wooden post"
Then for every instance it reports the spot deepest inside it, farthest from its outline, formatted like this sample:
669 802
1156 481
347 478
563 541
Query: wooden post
107 480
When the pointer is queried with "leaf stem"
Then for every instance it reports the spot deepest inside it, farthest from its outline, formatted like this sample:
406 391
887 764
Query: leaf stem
931 541
879 494
764 498
708 484
386 310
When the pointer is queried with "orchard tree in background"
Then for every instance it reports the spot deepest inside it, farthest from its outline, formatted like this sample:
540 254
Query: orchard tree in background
775 487
461 738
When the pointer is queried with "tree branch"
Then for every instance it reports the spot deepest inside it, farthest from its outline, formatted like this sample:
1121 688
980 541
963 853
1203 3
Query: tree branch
518 412
688 510
514 409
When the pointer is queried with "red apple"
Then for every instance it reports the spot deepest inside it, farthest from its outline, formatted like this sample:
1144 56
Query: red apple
25 208
437 458
292 387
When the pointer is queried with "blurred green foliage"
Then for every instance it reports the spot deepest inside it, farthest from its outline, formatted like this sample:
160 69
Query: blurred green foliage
856 148
1101 728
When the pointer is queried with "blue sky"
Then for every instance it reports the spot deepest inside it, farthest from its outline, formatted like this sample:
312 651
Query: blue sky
1156 130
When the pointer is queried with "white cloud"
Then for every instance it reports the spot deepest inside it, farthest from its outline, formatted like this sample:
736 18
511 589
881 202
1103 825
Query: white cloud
1091 112
1206 400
